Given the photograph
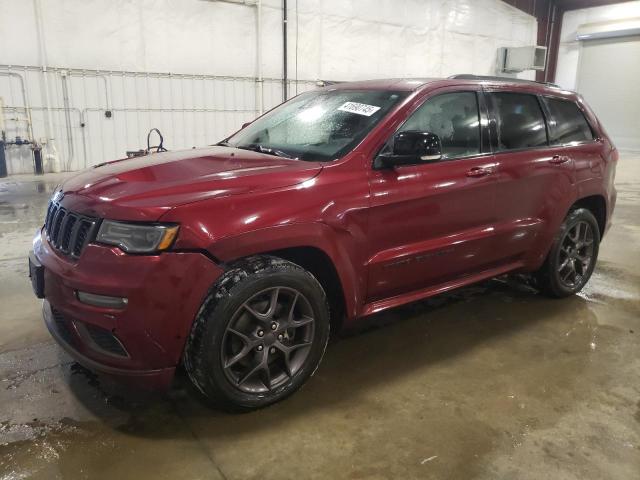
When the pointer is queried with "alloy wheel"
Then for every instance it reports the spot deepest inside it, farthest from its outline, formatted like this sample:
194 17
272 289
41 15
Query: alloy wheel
268 340
576 255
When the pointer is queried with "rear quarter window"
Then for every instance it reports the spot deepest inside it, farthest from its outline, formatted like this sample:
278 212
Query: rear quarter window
567 123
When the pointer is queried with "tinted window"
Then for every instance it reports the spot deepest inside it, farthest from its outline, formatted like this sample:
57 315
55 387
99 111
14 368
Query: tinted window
519 119
454 117
567 123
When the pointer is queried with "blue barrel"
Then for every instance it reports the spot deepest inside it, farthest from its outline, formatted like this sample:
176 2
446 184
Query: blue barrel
3 161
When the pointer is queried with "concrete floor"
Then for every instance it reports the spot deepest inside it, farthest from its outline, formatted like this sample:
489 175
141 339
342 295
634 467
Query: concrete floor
492 381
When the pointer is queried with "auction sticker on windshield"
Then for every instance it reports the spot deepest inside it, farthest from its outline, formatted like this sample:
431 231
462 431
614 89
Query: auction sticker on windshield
359 108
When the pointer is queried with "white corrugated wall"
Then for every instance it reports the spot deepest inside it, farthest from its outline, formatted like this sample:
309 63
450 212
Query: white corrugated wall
190 67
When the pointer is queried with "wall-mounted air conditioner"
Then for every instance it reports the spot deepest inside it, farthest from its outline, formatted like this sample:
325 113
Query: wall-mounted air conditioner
519 59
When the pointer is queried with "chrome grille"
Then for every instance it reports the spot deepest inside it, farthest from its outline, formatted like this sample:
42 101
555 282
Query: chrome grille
67 231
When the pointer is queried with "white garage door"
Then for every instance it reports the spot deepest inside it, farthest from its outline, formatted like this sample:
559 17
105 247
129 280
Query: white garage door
609 79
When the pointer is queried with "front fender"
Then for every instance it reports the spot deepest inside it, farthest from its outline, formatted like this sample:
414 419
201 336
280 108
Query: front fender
338 245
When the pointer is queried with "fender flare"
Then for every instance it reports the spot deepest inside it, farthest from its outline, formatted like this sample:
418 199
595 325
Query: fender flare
338 246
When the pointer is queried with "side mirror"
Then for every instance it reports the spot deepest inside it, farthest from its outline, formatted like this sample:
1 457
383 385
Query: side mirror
245 124
412 148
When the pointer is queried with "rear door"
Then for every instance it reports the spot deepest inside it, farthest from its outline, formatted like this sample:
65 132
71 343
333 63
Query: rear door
534 179
569 130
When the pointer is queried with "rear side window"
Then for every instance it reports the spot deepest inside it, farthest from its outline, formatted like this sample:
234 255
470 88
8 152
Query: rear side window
455 118
519 120
566 123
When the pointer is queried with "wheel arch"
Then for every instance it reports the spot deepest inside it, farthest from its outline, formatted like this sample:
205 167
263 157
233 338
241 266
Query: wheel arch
313 248
597 205
320 265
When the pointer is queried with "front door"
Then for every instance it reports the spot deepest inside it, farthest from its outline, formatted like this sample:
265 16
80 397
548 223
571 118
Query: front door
434 222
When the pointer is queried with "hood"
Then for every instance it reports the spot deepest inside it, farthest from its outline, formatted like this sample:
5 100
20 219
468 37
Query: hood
144 188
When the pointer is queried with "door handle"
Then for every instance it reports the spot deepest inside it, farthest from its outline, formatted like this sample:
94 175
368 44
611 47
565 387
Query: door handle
478 172
559 159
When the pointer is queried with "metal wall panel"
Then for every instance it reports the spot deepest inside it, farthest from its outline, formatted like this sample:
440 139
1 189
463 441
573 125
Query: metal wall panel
121 43
190 111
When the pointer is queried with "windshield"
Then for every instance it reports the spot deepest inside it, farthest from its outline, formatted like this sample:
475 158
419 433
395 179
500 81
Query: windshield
317 125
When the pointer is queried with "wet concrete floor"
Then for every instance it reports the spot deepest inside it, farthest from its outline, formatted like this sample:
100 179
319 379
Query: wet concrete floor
492 381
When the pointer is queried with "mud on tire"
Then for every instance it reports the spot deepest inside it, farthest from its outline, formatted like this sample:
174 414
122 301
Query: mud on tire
264 315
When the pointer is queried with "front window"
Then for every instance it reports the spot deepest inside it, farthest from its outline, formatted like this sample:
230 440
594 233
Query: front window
318 125
455 118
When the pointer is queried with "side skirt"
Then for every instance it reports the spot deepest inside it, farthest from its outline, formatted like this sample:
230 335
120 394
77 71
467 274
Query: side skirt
380 305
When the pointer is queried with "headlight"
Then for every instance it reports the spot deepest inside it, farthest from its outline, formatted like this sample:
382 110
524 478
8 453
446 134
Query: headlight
137 237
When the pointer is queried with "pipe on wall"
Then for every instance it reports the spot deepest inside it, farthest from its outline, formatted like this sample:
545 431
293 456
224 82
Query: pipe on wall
3 158
27 109
285 93
131 73
52 155
65 111
102 76
260 80
25 100
97 136
83 122
2 131
553 42
67 119
284 51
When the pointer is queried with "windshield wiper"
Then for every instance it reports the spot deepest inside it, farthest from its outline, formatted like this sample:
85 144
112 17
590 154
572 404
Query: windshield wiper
256 147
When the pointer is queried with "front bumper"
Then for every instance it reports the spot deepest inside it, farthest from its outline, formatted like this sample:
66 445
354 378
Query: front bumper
158 379
141 343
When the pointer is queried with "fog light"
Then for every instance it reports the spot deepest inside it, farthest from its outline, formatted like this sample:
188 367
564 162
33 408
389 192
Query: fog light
103 301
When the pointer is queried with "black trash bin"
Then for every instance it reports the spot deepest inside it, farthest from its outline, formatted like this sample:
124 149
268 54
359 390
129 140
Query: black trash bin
37 160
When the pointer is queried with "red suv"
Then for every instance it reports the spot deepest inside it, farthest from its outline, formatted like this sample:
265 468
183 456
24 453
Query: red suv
235 260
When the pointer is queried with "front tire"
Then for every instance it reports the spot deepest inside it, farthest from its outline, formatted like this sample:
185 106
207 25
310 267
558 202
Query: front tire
572 257
259 335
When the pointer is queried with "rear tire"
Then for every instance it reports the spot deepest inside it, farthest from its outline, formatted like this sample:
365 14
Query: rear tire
572 257
259 335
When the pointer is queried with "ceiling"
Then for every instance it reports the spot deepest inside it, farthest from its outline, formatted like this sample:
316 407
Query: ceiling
538 7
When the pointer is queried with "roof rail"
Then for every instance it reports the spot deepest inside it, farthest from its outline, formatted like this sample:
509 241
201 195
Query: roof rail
466 76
